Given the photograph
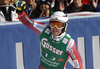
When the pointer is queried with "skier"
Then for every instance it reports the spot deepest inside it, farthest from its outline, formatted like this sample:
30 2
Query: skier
56 44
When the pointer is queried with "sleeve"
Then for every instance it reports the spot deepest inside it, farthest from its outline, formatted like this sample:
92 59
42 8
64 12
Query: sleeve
37 27
74 54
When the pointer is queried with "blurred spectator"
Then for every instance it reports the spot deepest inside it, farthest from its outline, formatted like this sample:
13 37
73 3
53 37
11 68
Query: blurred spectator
98 8
97 5
68 2
94 3
85 1
45 8
7 12
32 9
12 2
59 5
78 6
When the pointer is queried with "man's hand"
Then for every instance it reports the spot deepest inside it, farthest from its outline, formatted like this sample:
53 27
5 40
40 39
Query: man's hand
20 5
61 6
95 3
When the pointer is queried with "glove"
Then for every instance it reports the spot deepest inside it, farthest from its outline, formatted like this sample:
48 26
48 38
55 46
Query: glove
20 5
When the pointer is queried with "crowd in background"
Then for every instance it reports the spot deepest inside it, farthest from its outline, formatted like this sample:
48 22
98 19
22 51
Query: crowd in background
44 8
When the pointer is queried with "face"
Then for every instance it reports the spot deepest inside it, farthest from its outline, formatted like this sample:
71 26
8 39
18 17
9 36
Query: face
77 1
56 27
55 31
44 7
29 1
13 0
4 2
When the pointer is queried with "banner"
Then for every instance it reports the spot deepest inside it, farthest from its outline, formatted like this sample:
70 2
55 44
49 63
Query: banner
20 46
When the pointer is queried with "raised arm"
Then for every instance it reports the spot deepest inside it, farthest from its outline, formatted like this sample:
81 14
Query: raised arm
95 3
74 54
33 25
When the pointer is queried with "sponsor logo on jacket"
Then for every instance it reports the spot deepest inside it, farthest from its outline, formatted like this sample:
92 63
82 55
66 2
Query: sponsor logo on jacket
47 45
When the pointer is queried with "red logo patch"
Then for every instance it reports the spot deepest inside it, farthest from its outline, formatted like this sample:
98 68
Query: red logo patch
60 60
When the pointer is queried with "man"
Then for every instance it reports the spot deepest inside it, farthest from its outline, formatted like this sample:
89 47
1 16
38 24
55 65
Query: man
78 6
45 8
7 12
13 2
32 9
56 44
58 5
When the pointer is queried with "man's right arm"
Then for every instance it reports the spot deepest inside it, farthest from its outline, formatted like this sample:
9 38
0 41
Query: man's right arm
33 25
37 27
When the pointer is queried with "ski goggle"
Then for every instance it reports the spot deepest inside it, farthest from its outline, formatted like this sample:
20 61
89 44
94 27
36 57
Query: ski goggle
58 25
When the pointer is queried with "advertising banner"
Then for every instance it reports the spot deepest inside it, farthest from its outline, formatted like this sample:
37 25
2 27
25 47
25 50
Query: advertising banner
20 46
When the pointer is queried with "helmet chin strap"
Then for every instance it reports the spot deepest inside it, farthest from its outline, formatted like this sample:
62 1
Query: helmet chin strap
58 38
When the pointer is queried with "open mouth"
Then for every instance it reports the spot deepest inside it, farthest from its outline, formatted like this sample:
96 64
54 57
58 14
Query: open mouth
55 31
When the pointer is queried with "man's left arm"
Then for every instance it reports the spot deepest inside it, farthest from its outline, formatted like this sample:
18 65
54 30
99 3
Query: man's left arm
74 54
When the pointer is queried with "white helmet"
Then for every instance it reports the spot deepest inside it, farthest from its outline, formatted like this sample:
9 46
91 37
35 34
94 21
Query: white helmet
60 17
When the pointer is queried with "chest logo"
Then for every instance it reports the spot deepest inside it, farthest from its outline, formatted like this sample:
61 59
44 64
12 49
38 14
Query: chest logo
47 45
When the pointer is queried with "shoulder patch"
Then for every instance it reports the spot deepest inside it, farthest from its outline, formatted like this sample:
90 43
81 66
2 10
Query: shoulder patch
47 31
65 41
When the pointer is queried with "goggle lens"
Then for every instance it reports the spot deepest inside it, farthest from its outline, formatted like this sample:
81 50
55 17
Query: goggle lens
59 25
